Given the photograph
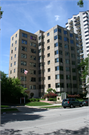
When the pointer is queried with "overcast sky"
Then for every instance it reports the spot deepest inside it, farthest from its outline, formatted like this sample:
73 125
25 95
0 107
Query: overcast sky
31 16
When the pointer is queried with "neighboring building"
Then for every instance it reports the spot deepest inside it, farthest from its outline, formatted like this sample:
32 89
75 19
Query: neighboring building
50 57
79 24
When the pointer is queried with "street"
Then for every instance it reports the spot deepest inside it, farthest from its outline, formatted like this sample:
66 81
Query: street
35 121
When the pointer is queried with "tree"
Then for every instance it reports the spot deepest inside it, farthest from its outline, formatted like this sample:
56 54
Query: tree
51 90
80 3
1 12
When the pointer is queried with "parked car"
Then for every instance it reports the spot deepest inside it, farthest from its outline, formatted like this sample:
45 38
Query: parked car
85 102
71 102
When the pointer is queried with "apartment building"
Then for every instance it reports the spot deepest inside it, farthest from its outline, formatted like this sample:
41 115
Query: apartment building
79 24
50 57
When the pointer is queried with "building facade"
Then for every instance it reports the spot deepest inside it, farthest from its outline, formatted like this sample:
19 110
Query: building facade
50 57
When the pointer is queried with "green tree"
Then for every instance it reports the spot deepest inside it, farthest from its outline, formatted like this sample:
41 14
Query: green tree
51 90
80 3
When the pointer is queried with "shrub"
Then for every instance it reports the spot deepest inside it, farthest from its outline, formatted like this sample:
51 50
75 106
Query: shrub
52 99
50 95
31 95
73 96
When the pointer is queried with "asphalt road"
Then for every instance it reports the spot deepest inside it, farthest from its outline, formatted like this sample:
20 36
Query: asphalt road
35 121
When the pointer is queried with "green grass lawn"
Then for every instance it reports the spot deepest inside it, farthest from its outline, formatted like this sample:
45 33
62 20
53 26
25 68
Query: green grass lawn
4 106
8 110
52 107
37 104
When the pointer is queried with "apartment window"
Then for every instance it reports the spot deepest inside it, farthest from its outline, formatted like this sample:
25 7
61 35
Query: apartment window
61 76
32 86
48 62
49 77
12 38
68 85
24 35
59 30
48 55
67 61
33 72
55 37
56 52
72 41
33 44
48 69
11 51
11 64
68 77
60 59
33 79
24 63
33 38
10 71
15 48
16 35
56 44
23 85
48 40
87 38
72 49
12 44
71 35
74 85
67 54
16 42
22 70
73 55
23 78
57 85
33 57
57 76
56 68
73 62
14 70
86 31
61 85
87 42
15 56
14 62
67 68
40 51
87 46
56 60
74 77
61 68
86 35
11 57
60 44
55 30
65 32
66 39
33 51
59 37
60 52
32 64
47 34
66 46
87 50
24 42
24 48
49 85
48 47
23 56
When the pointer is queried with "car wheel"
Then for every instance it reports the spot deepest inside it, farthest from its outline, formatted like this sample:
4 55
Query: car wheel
71 106
80 105
64 107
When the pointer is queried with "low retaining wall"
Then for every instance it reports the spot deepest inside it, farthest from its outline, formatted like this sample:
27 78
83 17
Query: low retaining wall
50 102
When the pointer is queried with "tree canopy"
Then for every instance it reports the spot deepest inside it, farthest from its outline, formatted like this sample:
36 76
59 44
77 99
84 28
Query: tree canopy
80 3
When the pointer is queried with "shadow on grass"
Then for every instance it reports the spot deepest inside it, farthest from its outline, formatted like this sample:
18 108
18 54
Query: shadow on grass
82 131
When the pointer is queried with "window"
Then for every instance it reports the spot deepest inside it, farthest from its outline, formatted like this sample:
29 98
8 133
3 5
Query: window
48 69
67 68
33 51
60 52
59 30
14 70
23 85
23 56
12 38
22 70
66 39
14 62
33 57
61 68
56 44
67 54
48 47
60 59
65 32
73 70
68 85
68 77
11 57
67 61
72 48
47 34
24 63
55 30
15 48
66 46
57 85
56 60
32 64
23 78
71 35
23 48
33 44
55 37
48 62
59 37
32 86
72 41
56 52
16 42
12 44
61 85
60 44
48 40
56 68
24 35
33 72
24 41
11 51
33 38
49 77
48 55
49 85
10 71
74 77
56 76
15 56
33 79
11 64
61 76
73 62
73 55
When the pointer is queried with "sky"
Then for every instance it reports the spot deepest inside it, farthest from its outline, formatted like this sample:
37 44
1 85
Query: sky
31 16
